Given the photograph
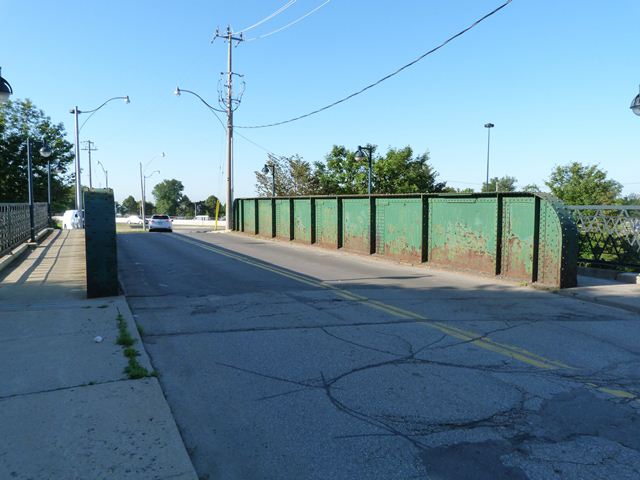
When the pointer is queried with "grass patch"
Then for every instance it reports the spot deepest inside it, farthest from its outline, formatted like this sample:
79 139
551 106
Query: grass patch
133 369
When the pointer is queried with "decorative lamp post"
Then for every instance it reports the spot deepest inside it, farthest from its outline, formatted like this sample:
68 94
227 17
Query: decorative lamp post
5 89
45 152
75 111
271 167
360 155
635 105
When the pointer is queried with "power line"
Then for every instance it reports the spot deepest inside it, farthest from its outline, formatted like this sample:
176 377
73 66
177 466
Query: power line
269 17
404 67
290 24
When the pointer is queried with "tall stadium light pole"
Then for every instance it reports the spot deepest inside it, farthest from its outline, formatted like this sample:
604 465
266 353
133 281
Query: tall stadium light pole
361 156
76 112
488 126
635 105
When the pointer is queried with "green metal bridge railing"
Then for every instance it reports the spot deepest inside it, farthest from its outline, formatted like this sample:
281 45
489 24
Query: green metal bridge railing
527 237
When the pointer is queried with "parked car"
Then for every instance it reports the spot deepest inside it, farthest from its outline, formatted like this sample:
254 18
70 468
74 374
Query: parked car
160 223
134 220
71 219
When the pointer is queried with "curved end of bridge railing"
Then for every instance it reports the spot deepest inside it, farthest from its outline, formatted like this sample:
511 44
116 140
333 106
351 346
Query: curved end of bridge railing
528 237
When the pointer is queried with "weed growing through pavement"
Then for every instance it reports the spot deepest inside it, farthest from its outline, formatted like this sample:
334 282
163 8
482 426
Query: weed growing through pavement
134 370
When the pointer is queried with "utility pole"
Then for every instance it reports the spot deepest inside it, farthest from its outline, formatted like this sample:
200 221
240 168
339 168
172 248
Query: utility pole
230 38
89 148
142 212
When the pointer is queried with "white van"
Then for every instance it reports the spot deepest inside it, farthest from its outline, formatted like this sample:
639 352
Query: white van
71 219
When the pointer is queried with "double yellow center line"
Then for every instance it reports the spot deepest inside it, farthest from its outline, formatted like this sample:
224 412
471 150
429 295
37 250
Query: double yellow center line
477 339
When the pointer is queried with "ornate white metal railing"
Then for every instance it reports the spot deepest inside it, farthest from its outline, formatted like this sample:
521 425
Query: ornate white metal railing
15 226
609 234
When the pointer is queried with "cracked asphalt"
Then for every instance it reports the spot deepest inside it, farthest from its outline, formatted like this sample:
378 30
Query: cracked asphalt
287 362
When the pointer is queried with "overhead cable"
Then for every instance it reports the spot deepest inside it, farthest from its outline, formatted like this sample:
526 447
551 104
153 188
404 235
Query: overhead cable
290 24
404 67
269 17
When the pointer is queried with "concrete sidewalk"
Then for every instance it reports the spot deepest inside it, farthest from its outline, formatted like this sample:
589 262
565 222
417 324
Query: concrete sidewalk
67 408
606 292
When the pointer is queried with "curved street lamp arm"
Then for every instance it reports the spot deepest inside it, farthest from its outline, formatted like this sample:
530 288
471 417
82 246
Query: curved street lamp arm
180 90
125 98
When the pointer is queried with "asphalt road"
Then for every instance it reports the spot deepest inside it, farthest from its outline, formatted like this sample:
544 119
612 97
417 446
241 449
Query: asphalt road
292 362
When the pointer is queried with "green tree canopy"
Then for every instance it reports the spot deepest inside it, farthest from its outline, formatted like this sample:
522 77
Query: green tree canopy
504 184
20 120
129 206
168 195
210 206
400 172
578 184
186 208
293 177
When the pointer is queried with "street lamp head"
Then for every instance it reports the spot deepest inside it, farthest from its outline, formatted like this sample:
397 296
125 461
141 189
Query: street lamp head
127 100
162 155
45 151
489 125
177 92
265 169
635 105
5 90
360 154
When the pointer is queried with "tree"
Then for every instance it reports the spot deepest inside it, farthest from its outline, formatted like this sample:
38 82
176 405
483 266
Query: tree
631 199
186 208
293 177
210 206
531 188
400 172
168 195
129 206
578 184
504 184
149 209
20 120
341 173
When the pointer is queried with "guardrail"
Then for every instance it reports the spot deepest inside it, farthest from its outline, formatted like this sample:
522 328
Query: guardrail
15 227
521 236
609 235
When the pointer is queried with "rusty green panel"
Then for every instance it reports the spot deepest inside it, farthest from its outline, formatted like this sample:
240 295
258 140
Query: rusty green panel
265 218
283 219
399 228
249 216
356 220
463 233
302 220
518 233
326 223
558 245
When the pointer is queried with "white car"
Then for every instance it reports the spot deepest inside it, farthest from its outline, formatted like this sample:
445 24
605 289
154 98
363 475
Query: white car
160 223
71 219
134 220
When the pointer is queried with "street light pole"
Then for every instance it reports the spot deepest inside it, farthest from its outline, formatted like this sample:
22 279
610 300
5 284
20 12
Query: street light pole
46 153
360 156
76 111
32 225
488 126
106 174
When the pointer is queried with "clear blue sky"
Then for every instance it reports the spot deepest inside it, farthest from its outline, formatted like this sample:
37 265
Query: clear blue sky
556 79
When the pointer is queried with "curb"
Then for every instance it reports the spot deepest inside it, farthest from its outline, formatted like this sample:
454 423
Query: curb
16 253
598 300
625 277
